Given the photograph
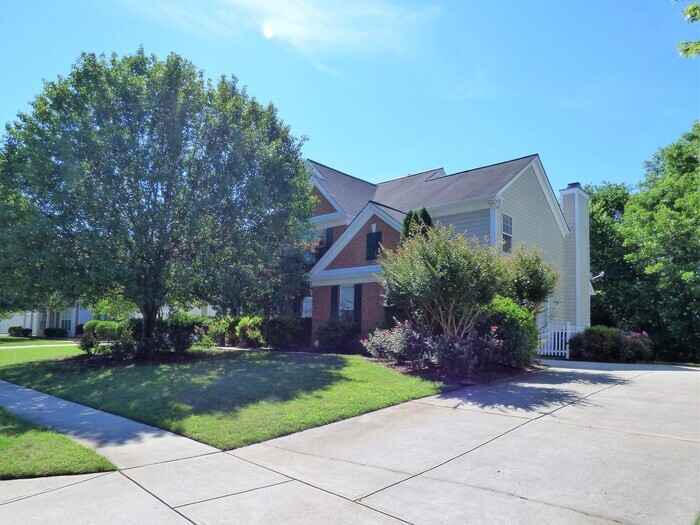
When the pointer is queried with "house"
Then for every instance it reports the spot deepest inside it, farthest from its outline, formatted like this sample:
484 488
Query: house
501 205
39 320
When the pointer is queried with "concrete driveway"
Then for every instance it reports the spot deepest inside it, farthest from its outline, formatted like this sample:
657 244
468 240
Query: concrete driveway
578 443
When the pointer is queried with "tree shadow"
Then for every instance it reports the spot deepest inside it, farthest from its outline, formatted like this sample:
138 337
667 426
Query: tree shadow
539 393
162 395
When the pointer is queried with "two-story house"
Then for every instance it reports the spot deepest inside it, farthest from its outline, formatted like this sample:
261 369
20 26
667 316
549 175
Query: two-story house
502 205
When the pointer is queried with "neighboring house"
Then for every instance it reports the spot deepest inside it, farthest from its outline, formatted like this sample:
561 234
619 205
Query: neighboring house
502 205
39 320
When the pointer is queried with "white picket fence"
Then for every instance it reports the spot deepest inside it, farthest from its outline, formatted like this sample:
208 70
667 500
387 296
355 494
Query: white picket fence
554 340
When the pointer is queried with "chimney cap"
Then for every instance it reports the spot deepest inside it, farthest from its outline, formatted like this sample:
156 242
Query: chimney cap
573 185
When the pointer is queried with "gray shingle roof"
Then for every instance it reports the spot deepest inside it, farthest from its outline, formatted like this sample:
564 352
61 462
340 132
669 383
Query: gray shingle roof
415 191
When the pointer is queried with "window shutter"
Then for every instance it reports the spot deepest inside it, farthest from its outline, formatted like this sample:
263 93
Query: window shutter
358 304
334 303
329 237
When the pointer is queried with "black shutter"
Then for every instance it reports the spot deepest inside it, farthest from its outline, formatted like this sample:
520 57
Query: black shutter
329 237
334 303
358 305
373 240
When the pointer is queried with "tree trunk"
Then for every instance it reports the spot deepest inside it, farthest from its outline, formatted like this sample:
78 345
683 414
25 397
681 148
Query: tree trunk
147 346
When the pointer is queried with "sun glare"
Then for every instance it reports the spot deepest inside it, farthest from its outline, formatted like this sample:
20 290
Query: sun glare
268 32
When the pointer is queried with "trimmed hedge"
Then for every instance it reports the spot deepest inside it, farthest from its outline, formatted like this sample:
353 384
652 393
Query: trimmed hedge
55 333
26 332
15 330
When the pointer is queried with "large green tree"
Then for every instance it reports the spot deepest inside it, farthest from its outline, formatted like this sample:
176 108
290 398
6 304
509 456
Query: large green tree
142 176
661 231
691 48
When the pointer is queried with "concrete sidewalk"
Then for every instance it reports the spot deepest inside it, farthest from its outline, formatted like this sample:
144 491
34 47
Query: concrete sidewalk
578 443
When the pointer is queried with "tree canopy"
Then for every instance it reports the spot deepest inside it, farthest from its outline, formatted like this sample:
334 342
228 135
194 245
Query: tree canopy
691 48
137 174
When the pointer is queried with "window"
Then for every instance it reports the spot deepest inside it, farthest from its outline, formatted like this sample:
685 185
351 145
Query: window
306 307
346 304
373 241
507 233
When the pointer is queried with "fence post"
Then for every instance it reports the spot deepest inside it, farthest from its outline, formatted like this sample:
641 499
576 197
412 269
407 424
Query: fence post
568 336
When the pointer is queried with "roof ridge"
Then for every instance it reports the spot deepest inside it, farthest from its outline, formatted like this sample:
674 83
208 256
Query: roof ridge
385 206
342 172
492 165
410 175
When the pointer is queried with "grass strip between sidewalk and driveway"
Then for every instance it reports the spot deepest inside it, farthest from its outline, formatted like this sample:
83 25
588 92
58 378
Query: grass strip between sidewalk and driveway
28 451
226 399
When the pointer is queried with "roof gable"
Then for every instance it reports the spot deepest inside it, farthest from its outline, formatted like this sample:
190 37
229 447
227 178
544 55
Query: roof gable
391 217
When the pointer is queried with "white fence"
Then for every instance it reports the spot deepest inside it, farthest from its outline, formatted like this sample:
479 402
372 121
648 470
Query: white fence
554 340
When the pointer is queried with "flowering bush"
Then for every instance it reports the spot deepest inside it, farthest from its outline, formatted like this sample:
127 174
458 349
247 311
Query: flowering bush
401 343
603 343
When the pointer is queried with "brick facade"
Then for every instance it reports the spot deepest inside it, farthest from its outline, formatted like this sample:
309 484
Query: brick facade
372 308
320 308
323 205
354 253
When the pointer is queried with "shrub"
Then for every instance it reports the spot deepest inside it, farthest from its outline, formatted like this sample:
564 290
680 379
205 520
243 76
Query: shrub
637 346
52 333
26 332
129 337
91 326
79 329
181 329
515 327
107 330
15 330
89 343
249 331
337 336
401 343
602 343
281 331
217 331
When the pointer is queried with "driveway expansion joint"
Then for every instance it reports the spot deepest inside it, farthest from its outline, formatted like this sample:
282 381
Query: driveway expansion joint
156 497
54 489
232 494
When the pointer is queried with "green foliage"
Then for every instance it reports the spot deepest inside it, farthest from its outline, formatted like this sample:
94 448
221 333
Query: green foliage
26 332
91 326
615 278
441 282
113 305
416 223
107 330
249 331
515 327
603 343
15 330
337 336
402 344
529 279
55 333
692 15
138 175
89 342
661 230
279 332
181 328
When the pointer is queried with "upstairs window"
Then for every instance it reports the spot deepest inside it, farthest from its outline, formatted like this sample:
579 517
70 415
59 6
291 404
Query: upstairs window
373 241
507 233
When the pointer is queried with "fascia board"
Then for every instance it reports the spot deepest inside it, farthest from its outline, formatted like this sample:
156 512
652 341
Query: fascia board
357 275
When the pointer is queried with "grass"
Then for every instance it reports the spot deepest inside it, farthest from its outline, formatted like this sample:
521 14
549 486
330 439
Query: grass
6 340
228 399
28 451
13 356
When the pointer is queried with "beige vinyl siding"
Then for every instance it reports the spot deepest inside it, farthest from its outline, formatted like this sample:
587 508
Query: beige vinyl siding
534 224
470 224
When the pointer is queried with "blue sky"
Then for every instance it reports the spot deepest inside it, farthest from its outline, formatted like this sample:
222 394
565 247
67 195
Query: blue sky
385 88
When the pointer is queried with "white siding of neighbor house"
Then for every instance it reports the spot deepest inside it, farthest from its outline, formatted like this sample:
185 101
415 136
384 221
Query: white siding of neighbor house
16 319
534 224
470 224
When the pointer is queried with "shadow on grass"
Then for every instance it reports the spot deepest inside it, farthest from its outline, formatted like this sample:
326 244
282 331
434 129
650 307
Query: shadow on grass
160 394
539 392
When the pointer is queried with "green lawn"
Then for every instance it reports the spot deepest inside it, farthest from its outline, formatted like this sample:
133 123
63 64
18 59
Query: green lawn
227 399
28 451
12 356
6 340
